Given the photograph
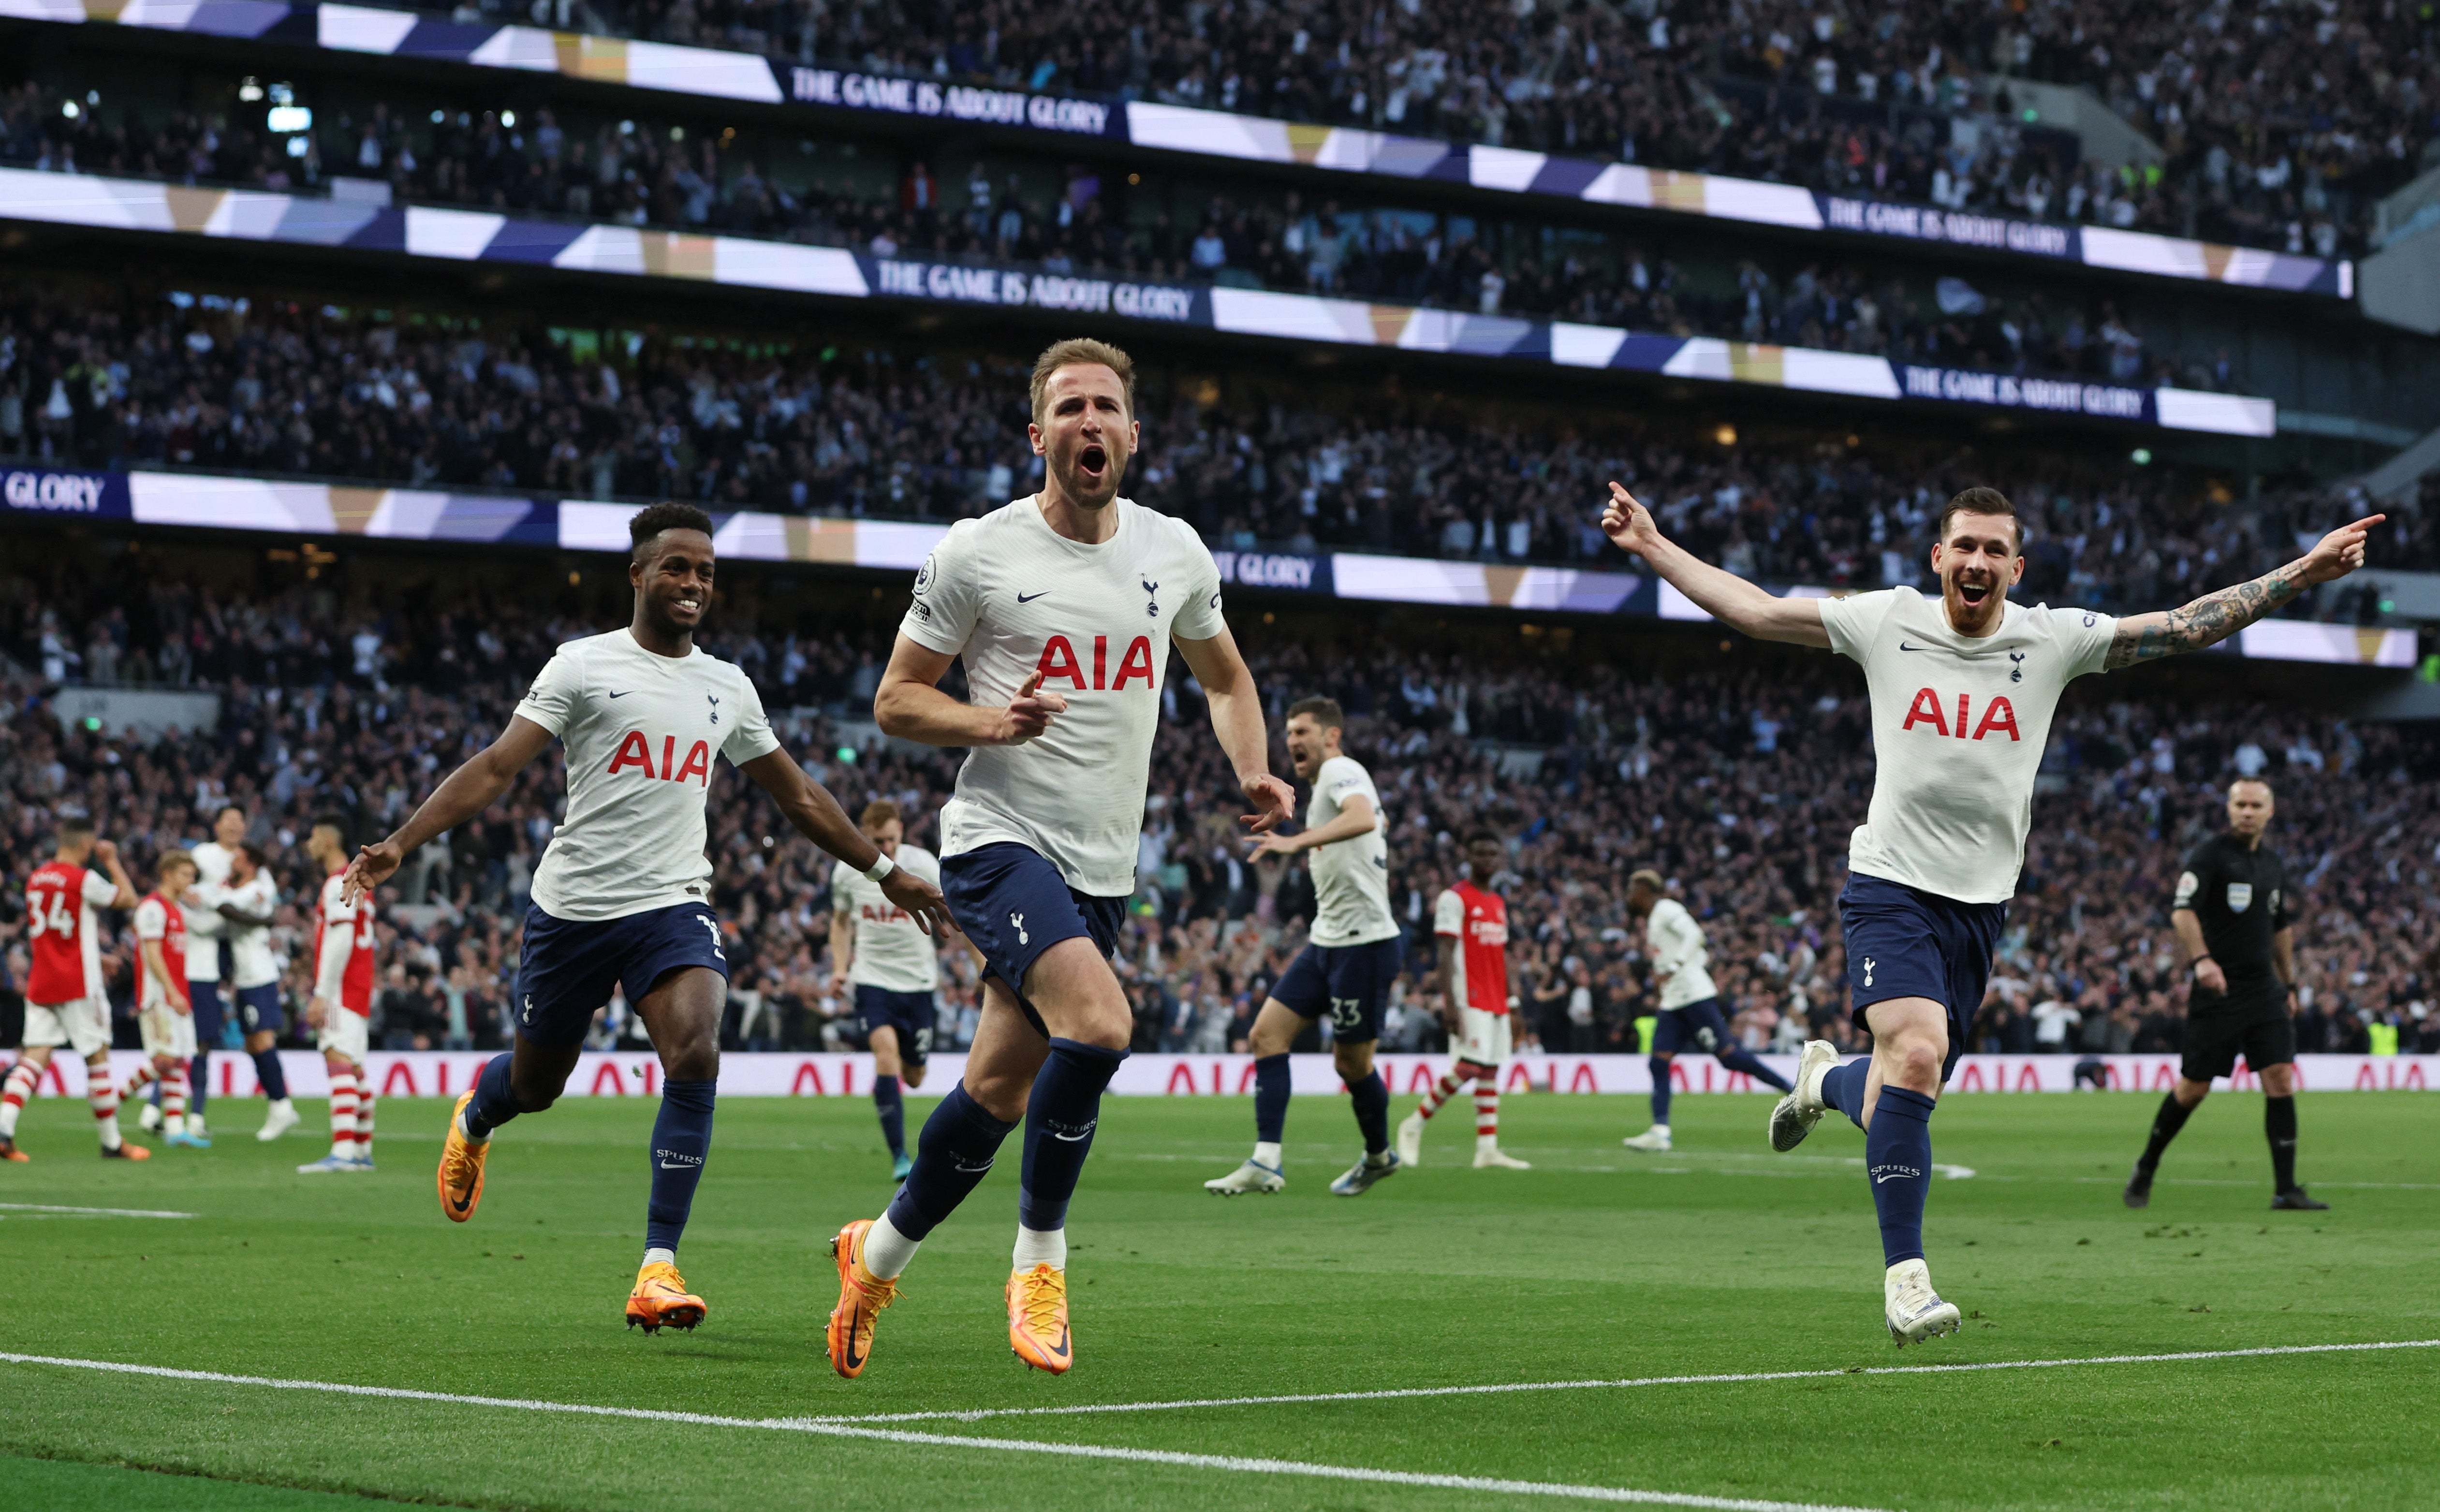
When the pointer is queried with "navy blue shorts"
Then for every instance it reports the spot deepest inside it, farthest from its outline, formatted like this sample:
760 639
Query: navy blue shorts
1699 1024
1906 942
1351 983
912 1014
569 967
1014 905
257 1009
204 996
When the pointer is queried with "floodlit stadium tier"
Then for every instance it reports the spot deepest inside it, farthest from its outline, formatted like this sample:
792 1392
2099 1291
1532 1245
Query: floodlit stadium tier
1602 748
498 422
2153 124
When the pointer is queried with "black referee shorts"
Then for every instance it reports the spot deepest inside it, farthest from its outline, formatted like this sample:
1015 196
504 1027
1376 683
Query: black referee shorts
2255 1026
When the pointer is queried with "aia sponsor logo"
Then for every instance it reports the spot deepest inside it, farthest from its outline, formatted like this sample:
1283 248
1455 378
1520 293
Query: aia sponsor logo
1060 663
636 753
1933 710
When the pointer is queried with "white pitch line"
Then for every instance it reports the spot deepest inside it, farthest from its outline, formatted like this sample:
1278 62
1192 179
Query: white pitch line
94 1213
975 1413
1086 1451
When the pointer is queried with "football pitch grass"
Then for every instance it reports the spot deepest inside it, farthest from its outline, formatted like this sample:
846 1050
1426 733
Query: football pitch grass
1599 1267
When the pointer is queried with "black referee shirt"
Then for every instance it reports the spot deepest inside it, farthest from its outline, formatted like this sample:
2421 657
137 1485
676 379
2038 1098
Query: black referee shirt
2240 898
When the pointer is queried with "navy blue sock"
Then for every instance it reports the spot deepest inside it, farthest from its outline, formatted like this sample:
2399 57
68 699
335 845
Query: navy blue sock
1897 1155
1370 1098
893 1109
681 1139
952 1155
1059 1120
494 1103
199 1082
1660 1088
1745 1060
1843 1087
1270 1098
268 1070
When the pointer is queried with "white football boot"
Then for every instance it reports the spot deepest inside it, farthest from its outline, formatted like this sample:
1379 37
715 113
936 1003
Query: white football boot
1246 1178
1654 1140
150 1119
1913 1311
1492 1157
1411 1140
1796 1113
282 1117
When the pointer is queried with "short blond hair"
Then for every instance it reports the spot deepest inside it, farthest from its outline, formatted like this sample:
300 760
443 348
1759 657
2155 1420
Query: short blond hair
1078 351
1646 877
171 858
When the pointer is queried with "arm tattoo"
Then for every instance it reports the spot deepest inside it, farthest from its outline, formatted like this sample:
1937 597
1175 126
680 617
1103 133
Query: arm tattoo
2206 621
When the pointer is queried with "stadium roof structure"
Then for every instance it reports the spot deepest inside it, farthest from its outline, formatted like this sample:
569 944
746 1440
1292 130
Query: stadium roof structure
290 508
571 246
716 74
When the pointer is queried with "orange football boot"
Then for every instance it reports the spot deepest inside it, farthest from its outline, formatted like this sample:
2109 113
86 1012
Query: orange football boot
462 1166
862 1295
1037 1317
126 1152
661 1299
9 1151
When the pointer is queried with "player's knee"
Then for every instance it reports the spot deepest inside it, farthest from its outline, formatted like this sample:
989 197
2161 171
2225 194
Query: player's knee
911 1075
2279 1081
1915 1064
1355 1062
2190 1094
696 1060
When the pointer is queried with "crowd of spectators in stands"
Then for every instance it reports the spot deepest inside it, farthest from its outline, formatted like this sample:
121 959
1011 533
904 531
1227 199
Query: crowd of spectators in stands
1739 784
257 387
2279 122
650 175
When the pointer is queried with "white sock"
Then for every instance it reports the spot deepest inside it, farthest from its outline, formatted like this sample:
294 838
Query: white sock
1661 1129
1036 1247
886 1250
282 1104
1268 1154
1808 1088
1486 1141
660 1257
471 1136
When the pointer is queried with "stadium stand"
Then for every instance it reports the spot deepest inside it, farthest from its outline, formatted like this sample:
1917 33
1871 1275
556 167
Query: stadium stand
1740 777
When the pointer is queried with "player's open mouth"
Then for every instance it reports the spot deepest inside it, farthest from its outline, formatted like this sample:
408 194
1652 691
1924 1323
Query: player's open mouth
1973 592
1093 461
689 605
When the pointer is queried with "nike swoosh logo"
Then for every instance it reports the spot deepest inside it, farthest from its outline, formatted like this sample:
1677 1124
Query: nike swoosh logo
677 1165
457 1205
1029 597
1070 1137
622 694
1060 1349
854 1359
1903 646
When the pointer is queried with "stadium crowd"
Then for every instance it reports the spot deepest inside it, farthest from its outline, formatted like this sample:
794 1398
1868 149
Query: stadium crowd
239 386
2279 123
1739 784
651 175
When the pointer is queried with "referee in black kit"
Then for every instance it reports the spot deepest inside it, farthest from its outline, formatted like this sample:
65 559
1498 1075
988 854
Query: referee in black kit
2233 922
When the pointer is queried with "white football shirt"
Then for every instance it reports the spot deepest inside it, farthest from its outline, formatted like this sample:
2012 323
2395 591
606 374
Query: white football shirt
1351 877
891 949
251 963
204 927
641 732
1011 596
1679 951
1958 726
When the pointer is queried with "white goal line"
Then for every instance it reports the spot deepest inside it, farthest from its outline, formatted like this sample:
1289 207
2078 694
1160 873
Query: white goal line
1239 1464
975 1415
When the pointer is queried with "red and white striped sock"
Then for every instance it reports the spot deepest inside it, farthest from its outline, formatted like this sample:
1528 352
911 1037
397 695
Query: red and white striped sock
343 1115
104 1099
22 1078
173 1099
1442 1091
1487 1113
145 1076
365 1101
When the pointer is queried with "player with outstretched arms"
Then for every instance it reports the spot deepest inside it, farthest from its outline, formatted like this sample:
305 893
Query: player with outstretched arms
165 1015
623 896
66 1001
341 1011
1478 1002
1064 607
891 968
1690 1005
1962 691
1351 956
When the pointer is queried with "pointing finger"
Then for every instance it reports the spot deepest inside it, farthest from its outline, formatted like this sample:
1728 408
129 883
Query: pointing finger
1026 690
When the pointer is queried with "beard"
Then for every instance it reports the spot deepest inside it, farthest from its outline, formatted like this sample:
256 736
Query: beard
1087 488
